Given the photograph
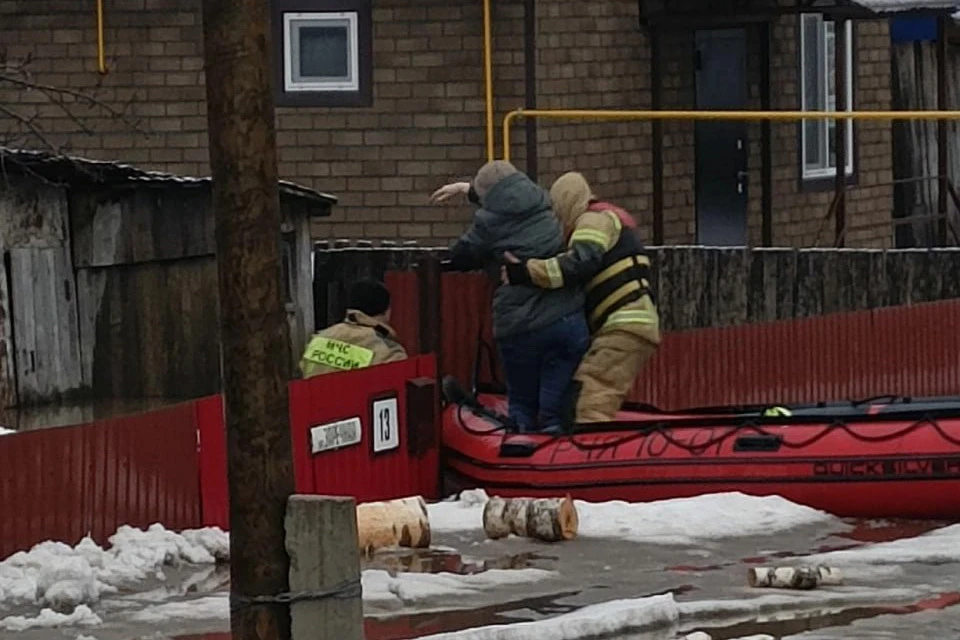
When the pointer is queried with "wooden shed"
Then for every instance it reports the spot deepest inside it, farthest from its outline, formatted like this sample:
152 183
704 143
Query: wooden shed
109 286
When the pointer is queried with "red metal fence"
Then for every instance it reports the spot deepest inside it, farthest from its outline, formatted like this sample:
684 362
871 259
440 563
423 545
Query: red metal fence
67 482
170 465
905 350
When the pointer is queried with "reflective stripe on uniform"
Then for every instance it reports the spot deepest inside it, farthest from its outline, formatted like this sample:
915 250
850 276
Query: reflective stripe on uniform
337 354
554 273
617 223
612 299
631 316
591 235
617 267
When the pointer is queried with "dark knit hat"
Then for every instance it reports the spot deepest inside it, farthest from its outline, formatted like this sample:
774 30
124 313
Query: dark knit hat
369 296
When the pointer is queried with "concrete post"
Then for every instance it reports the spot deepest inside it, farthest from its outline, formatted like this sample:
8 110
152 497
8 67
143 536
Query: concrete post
322 544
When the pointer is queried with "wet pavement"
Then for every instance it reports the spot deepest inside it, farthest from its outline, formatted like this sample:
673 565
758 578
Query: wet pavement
880 602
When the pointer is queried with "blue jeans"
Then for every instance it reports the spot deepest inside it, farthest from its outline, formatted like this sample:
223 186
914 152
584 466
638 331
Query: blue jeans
539 366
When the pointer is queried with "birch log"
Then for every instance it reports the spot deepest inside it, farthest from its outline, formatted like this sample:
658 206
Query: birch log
800 577
402 523
548 519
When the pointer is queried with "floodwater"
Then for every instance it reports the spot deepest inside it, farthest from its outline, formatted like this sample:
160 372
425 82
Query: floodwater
593 571
70 413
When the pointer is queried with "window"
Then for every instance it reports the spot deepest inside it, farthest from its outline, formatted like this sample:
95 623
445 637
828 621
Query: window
320 52
818 93
325 50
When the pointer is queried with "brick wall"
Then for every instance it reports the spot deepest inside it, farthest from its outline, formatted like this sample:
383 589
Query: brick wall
798 214
427 123
591 55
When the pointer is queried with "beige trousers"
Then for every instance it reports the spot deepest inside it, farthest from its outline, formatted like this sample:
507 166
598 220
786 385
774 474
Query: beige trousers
607 373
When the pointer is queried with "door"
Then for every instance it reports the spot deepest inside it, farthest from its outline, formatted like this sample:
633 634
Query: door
45 325
721 146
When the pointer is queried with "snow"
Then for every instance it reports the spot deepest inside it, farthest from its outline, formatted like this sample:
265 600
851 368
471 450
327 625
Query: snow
668 522
59 576
380 588
81 616
4 431
940 546
616 616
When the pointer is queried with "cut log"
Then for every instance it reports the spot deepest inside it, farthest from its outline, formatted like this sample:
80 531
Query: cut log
548 519
801 577
394 523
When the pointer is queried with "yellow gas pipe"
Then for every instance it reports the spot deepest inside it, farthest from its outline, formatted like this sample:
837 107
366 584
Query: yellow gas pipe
488 78
101 57
613 114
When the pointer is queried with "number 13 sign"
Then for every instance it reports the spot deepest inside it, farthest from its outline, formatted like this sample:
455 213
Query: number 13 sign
385 425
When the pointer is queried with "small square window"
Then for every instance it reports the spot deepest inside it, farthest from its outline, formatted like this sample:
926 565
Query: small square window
321 52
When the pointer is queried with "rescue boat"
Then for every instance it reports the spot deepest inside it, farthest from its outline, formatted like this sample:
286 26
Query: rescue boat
888 457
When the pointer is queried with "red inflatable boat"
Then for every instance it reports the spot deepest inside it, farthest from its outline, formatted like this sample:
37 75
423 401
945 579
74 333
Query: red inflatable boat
882 458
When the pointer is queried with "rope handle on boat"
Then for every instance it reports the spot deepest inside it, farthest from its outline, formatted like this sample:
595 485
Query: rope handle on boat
752 427
665 432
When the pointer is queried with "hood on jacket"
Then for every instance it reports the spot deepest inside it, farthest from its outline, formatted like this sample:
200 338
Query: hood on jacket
571 195
515 195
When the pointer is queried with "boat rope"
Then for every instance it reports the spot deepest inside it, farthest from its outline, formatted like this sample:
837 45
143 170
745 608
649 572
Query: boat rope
729 432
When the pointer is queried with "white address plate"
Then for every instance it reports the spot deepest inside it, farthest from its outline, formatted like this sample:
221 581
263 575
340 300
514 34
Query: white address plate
335 435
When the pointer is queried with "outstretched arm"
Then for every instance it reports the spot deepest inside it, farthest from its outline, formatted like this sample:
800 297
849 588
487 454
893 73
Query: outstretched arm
593 237
470 251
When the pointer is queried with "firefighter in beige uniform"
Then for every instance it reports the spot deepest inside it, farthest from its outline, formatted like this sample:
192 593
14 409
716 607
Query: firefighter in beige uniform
604 253
363 339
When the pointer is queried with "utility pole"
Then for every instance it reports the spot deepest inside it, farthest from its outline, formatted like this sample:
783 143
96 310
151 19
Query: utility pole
242 143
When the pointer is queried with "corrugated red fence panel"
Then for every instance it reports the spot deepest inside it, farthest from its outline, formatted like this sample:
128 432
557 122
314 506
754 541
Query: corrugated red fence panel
66 482
356 470
353 470
466 313
213 462
908 350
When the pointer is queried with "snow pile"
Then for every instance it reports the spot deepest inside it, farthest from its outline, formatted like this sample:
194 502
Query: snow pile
616 616
81 616
692 520
59 576
940 546
4 431
380 588
676 522
463 513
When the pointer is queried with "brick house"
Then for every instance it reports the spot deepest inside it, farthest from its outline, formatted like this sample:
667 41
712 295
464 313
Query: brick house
383 102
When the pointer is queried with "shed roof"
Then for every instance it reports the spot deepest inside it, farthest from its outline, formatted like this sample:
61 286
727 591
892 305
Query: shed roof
900 6
75 170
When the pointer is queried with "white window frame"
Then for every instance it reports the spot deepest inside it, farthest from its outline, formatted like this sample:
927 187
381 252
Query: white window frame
353 41
825 171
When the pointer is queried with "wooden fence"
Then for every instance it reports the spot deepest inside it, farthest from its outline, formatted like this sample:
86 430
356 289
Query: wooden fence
714 287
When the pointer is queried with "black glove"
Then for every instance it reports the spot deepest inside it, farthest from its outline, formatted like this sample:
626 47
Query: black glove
517 273
472 195
461 261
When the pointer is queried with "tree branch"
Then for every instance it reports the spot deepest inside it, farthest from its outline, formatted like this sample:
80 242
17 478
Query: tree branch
27 130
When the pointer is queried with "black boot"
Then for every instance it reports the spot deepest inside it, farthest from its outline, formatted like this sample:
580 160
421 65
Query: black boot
568 412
